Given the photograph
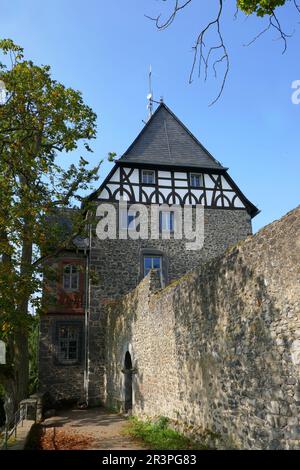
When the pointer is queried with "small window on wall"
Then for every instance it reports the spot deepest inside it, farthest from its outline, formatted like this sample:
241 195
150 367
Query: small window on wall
152 262
68 337
71 277
148 177
196 180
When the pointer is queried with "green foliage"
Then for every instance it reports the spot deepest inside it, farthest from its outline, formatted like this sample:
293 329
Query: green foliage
40 120
259 7
162 422
111 156
158 435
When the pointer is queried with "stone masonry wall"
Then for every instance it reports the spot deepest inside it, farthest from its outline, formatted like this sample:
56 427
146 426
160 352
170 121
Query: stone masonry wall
117 264
62 382
218 350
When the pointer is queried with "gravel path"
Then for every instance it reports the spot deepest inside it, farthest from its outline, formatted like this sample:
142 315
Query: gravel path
103 429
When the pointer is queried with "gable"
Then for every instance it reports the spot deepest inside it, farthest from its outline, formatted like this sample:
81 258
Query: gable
170 150
217 189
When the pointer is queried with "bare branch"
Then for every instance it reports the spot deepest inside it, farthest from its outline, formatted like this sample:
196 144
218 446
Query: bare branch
235 16
276 24
202 57
273 23
171 18
297 6
259 34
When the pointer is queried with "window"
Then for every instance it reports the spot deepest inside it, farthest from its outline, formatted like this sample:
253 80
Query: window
196 180
152 262
148 177
71 277
127 220
68 344
151 258
166 221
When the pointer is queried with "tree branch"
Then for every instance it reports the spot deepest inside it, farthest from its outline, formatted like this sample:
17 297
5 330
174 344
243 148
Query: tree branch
199 46
202 57
171 18
273 23
199 53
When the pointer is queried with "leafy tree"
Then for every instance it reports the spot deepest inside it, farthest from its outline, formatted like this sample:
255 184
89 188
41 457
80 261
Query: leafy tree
206 56
260 7
40 119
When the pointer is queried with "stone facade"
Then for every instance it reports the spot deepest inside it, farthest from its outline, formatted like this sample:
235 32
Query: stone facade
63 382
217 351
117 265
116 269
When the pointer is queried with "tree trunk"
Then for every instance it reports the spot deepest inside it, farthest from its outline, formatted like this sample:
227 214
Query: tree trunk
16 377
21 354
21 366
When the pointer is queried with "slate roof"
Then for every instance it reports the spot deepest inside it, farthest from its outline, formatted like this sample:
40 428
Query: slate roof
166 141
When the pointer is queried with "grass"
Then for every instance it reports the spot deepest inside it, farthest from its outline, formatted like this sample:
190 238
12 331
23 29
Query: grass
159 436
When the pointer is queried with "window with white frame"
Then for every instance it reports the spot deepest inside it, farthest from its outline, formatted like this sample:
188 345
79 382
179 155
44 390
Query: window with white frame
148 177
71 277
128 220
196 180
166 221
152 262
68 344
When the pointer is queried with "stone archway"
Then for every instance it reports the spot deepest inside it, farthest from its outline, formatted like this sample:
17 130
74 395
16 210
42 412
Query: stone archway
128 382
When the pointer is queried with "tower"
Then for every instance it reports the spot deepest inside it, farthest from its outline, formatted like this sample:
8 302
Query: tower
165 165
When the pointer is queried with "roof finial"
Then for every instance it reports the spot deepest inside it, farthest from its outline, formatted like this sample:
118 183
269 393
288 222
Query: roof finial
150 95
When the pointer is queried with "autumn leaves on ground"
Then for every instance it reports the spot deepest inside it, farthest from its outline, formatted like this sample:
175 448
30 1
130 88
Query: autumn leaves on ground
59 439
90 429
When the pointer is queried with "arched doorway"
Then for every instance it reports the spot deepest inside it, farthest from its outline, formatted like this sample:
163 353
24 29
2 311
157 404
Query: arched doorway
128 381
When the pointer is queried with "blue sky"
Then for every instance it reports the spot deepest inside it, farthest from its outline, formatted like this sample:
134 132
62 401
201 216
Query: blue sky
104 49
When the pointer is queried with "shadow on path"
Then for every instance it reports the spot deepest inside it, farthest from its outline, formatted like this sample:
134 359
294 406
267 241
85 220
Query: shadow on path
105 429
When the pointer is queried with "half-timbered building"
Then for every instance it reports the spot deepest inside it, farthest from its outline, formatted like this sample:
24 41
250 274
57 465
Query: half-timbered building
165 165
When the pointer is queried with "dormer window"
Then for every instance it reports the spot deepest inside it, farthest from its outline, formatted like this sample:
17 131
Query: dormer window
71 277
148 177
196 180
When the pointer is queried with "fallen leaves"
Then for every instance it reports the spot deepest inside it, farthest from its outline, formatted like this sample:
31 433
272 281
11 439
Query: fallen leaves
63 439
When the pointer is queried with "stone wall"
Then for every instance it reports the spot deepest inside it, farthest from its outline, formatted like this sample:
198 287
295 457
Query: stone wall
219 350
117 265
63 382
